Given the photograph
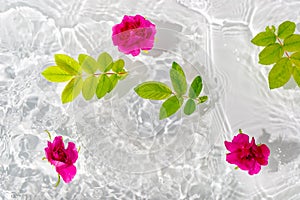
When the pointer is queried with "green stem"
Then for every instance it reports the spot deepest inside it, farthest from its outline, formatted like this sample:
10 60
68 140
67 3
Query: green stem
49 134
58 180
78 150
240 131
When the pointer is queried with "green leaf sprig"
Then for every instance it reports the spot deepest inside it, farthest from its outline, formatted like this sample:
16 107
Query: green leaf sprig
283 49
173 99
88 75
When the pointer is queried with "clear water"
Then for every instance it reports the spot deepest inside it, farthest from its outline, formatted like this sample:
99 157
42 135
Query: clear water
127 153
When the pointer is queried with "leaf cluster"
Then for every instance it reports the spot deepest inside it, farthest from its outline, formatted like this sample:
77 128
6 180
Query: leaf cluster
86 75
281 48
173 99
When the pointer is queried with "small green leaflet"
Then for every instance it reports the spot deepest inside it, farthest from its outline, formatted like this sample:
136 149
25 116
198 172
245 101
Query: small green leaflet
72 90
89 81
178 79
264 38
270 54
195 87
295 58
296 75
280 74
286 29
190 107
103 86
56 74
202 99
88 64
292 43
118 66
89 87
169 107
104 61
153 90
68 64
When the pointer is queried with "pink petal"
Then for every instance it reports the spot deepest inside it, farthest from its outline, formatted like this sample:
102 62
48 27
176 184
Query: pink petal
72 152
241 138
265 150
254 169
233 158
231 146
67 172
58 142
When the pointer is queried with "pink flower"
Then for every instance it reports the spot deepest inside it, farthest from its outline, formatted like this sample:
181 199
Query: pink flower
247 156
63 159
133 34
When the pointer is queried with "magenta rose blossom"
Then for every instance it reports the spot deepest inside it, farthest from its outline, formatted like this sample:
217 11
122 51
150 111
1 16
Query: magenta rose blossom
63 159
247 155
133 34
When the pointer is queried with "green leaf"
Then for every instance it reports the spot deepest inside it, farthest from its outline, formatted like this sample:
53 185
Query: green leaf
202 99
118 66
89 87
196 87
296 75
68 64
104 61
72 90
88 64
270 54
103 86
286 29
56 74
280 74
295 58
178 79
264 38
190 107
169 107
153 90
292 43
114 80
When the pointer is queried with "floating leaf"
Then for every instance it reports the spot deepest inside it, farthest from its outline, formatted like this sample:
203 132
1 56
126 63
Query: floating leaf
89 87
280 73
202 99
270 54
118 66
169 107
295 58
103 86
104 61
153 90
56 74
286 29
190 107
178 79
195 87
72 90
264 38
88 64
296 75
114 80
292 43
68 64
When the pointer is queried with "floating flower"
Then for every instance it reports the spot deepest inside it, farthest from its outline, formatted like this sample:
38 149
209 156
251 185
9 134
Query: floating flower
62 159
133 34
247 156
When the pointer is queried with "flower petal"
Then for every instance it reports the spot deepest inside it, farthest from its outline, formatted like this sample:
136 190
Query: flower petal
58 142
72 152
254 169
67 172
241 138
